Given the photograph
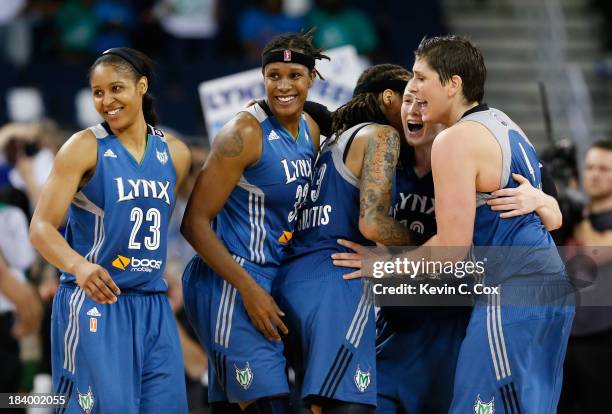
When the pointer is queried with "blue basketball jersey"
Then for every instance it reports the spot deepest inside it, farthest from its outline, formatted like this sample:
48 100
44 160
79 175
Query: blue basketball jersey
119 219
331 210
414 203
258 218
533 252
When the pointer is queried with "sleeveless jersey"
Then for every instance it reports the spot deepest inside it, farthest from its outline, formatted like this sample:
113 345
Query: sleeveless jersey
414 204
533 250
119 219
331 210
258 218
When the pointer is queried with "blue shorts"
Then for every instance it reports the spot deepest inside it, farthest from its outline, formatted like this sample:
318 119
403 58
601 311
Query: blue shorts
334 321
243 364
119 358
511 360
416 364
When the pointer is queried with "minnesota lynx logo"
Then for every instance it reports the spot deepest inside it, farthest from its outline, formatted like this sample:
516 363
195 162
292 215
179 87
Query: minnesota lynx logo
162 156
244 376
86 401
483 407
362 379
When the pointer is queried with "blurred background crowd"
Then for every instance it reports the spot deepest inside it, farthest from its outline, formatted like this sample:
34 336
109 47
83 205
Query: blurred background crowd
550 69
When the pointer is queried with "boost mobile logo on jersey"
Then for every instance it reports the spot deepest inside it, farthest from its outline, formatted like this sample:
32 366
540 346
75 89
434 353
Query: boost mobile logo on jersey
135 264
484 408
285 237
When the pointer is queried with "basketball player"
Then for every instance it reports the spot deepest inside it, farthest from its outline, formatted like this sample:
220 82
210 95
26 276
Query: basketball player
433 335
114 338
511 358
351 196
241 214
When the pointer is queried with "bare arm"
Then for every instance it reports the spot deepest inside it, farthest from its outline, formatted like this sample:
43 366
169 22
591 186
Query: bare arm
237 146
525 199
380 158
181 157
76 158
28 310
315 132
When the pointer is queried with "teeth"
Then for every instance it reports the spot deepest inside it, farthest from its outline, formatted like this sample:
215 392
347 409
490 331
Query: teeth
285 98
114 111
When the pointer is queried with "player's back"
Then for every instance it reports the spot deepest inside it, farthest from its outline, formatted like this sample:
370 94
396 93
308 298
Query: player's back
258 218
331 209
522 245
119 219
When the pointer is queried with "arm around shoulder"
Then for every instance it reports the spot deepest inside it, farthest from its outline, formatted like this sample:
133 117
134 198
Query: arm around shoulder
181 157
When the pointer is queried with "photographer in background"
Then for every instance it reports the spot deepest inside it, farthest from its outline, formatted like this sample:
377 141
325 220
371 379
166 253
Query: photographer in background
588 362
26 156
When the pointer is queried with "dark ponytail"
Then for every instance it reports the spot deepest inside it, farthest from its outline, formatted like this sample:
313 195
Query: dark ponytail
132 61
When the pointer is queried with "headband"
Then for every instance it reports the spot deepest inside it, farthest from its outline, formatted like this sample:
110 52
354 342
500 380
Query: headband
288 56
379 86
123 54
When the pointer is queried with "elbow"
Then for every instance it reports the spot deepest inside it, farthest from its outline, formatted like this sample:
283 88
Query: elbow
369 230
555 224
191 224
35 234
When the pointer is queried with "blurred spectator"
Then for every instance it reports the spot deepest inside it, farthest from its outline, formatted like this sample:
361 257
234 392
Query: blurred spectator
77 28
14 33
27 153
260 23
18 255
339 25
116 19
588 362
190 28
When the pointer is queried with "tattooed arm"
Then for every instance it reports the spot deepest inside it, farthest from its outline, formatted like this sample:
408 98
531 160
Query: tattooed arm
237 146
380 148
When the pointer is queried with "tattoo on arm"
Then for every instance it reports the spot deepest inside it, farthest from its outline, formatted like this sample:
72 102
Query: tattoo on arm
231 145
379 163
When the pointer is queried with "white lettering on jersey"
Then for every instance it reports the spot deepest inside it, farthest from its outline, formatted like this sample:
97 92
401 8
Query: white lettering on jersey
143 189
422 204
297 169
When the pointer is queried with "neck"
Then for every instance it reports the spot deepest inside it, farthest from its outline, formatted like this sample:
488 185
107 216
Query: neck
291 124
457 111
422 159
134 133
601 205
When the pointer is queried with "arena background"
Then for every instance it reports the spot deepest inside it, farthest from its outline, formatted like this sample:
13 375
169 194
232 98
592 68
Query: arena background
548 62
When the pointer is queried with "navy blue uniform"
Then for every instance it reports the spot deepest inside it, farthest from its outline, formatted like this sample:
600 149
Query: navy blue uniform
512 356
412 343
255 224
333 318
124 357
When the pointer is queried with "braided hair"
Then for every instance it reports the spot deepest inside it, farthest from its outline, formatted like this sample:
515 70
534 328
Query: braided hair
365 106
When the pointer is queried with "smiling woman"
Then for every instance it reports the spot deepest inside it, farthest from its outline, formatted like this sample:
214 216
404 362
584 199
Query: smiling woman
117 182
240 226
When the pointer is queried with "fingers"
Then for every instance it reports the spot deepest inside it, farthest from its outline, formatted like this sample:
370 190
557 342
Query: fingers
108 281
354 275
103 291
351 245
519 178
356 264
345 256
279 324
504 192
512 213
505 206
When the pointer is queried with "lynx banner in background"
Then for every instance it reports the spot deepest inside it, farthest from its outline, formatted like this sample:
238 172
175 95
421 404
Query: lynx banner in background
222 98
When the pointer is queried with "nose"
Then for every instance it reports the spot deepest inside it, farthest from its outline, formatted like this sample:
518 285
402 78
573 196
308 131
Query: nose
412 85
284 84
107 99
